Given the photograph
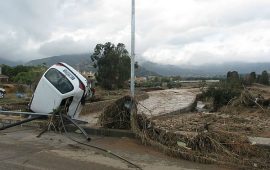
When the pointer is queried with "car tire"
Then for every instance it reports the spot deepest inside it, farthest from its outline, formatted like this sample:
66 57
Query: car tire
2 95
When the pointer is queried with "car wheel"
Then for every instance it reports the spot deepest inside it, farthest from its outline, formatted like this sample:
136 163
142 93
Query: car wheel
2 95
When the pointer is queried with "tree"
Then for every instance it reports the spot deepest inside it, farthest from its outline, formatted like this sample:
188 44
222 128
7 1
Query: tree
233 79
26 77
176 78
252 76
30 77
222 93
7 70
112 63
264 78
165 79
249 79
233 76
13 71
258 79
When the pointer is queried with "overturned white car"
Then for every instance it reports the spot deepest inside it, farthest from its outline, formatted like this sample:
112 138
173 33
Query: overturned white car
61 85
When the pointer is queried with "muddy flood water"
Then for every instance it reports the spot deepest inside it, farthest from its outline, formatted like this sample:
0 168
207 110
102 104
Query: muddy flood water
167 101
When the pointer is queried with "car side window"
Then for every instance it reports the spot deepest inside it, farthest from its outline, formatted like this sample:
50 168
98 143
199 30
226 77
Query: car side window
59 81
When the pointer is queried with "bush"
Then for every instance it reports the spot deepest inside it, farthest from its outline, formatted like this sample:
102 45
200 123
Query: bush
173 85
264 78
222 93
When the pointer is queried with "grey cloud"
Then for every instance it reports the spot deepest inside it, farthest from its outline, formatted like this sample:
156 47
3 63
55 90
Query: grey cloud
34 18
65 45
193 35
173 31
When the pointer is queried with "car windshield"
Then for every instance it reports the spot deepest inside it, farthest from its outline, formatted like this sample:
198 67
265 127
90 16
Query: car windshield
59 81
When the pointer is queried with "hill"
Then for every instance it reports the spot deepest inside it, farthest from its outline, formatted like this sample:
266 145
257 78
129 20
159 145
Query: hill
206 70
142 72
146 68
81 62
9 63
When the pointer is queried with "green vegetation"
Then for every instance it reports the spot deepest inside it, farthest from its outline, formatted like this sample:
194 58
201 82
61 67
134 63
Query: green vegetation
253 78
264 78
13 71
28 77
157 81
24 74
224 91
232 87
113 65
173 84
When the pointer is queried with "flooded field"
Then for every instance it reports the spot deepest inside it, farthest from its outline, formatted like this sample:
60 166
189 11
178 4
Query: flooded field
159 102
167 101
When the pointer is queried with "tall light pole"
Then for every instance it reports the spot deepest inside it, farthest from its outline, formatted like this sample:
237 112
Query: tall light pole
132 77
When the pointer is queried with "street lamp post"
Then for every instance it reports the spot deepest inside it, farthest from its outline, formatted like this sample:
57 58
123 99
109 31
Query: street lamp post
132 77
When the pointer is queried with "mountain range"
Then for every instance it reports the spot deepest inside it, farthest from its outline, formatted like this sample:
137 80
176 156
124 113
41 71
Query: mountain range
206 70
80 62
9 63
83 62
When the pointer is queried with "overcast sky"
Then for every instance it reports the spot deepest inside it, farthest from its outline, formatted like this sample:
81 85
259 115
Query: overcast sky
167 31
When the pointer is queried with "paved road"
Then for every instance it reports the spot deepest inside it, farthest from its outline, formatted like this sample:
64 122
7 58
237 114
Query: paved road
20 149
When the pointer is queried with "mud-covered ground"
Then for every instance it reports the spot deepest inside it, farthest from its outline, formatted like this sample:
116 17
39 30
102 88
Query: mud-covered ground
21 149
252 125
240 120
249 123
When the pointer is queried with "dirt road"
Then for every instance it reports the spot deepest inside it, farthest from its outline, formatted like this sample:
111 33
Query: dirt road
20 149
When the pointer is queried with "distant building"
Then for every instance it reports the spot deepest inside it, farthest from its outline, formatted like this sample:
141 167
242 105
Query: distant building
3 78
150 78
140 79
88 75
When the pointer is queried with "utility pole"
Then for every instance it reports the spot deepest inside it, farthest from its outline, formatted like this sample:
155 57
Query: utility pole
132 77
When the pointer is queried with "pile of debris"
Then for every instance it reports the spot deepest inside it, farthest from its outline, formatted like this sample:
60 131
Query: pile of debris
23 106
207 146
221 142
220 147
117 115
248 99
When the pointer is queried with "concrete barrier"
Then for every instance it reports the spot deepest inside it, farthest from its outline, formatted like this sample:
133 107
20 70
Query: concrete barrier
260 141
98 131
